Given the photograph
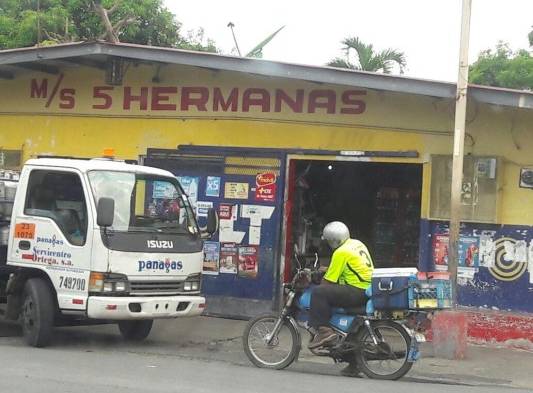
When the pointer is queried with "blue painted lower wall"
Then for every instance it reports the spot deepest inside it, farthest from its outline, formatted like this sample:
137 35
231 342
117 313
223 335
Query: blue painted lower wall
496 263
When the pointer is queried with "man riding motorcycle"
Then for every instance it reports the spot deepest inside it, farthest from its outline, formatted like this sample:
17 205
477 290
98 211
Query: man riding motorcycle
347 277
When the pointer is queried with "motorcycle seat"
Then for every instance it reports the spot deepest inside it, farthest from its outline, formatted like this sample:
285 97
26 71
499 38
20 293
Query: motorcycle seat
361 310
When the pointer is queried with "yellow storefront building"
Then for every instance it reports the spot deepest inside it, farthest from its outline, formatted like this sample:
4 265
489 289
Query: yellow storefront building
281 149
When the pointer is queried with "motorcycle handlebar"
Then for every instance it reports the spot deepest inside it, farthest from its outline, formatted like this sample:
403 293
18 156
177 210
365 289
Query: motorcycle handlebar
297 257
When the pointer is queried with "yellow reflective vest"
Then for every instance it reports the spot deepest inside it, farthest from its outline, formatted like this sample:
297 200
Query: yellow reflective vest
351 264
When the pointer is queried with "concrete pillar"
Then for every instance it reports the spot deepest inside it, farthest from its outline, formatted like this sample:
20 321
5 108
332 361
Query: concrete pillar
450 331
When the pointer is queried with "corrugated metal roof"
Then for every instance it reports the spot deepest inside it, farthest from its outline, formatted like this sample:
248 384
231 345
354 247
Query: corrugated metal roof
50 56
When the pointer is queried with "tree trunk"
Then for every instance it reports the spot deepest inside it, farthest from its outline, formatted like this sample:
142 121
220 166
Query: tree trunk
103 13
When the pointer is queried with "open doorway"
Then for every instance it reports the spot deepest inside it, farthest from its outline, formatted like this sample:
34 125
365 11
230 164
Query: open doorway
379 202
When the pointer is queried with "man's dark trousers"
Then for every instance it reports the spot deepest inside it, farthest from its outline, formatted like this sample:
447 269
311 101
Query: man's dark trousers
325 297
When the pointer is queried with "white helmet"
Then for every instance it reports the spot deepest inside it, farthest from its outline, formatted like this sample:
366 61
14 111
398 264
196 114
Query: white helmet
335 233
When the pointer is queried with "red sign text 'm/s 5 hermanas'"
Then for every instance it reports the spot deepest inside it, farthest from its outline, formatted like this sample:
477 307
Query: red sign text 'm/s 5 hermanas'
201 99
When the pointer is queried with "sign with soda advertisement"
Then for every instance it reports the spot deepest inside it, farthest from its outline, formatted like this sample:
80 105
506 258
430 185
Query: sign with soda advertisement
265 187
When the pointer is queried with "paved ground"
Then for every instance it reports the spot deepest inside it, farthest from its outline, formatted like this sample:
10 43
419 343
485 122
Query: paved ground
60 370
95 359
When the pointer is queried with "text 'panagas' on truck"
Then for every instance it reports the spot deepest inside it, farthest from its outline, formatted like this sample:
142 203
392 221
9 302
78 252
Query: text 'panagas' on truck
85 240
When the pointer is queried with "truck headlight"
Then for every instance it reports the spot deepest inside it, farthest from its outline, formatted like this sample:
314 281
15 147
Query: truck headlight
192 283
108 283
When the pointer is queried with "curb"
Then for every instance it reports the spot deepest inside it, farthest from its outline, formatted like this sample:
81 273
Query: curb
497 328
506 329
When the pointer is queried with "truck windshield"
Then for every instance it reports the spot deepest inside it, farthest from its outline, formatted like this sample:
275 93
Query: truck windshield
145 203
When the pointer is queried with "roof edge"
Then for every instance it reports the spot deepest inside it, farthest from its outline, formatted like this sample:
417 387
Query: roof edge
309 73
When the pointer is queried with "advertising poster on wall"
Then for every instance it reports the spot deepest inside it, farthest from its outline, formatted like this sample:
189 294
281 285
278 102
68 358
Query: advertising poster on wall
212 187
229 258
469 251
236 190
487 250
190 187
228 211
248 261
202 208
468 255
211 257
440 251
265 190
520 251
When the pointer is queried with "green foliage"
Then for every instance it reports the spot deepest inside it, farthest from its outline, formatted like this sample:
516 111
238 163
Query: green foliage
195 40
18 21
149 23
503 68
367 59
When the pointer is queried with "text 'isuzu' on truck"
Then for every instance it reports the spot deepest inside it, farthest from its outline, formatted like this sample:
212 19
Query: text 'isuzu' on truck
84 241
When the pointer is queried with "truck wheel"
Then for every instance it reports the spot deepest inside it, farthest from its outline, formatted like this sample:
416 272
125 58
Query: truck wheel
37 313
135 330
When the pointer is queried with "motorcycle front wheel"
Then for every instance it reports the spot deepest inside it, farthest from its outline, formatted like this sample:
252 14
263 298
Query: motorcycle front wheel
389 358
282 350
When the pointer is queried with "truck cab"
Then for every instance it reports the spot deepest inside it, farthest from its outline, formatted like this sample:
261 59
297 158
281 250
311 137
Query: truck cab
100 240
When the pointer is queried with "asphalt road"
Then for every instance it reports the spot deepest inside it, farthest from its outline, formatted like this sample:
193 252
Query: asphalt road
58 370
96 360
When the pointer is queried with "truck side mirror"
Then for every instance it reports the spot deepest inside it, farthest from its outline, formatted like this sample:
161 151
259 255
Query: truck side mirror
105 212
212 221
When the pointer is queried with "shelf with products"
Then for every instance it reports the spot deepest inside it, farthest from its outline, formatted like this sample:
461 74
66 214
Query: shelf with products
396 227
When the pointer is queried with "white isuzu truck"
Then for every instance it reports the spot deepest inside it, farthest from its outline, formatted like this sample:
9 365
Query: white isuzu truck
86 241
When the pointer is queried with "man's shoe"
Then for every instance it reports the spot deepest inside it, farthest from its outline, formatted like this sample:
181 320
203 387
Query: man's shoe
324 336
351 370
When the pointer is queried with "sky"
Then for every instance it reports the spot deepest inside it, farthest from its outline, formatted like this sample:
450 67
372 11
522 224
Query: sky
427 31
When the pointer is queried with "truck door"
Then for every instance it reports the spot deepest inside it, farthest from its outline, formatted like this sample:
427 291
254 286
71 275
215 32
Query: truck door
51 231
241 273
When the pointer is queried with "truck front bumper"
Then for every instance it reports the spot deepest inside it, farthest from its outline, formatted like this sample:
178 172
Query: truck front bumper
153 307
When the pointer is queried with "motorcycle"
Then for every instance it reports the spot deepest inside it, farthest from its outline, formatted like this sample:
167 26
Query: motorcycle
381 346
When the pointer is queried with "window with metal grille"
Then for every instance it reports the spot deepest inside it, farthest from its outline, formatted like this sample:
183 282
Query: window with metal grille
479 194
10 159
251 165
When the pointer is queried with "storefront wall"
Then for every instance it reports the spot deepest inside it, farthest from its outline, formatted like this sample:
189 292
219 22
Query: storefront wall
76 113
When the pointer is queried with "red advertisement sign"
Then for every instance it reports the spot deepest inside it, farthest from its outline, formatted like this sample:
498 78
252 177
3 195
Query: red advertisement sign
440 249
265 187
468 251
248 261
225 211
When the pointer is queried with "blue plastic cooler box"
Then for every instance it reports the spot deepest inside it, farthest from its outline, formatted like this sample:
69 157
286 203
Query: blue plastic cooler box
390 288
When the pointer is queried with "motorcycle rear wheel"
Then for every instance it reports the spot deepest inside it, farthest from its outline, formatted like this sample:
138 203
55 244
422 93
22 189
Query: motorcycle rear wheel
280 353
389 359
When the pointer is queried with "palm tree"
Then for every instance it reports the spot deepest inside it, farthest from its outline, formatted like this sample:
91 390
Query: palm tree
367 58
